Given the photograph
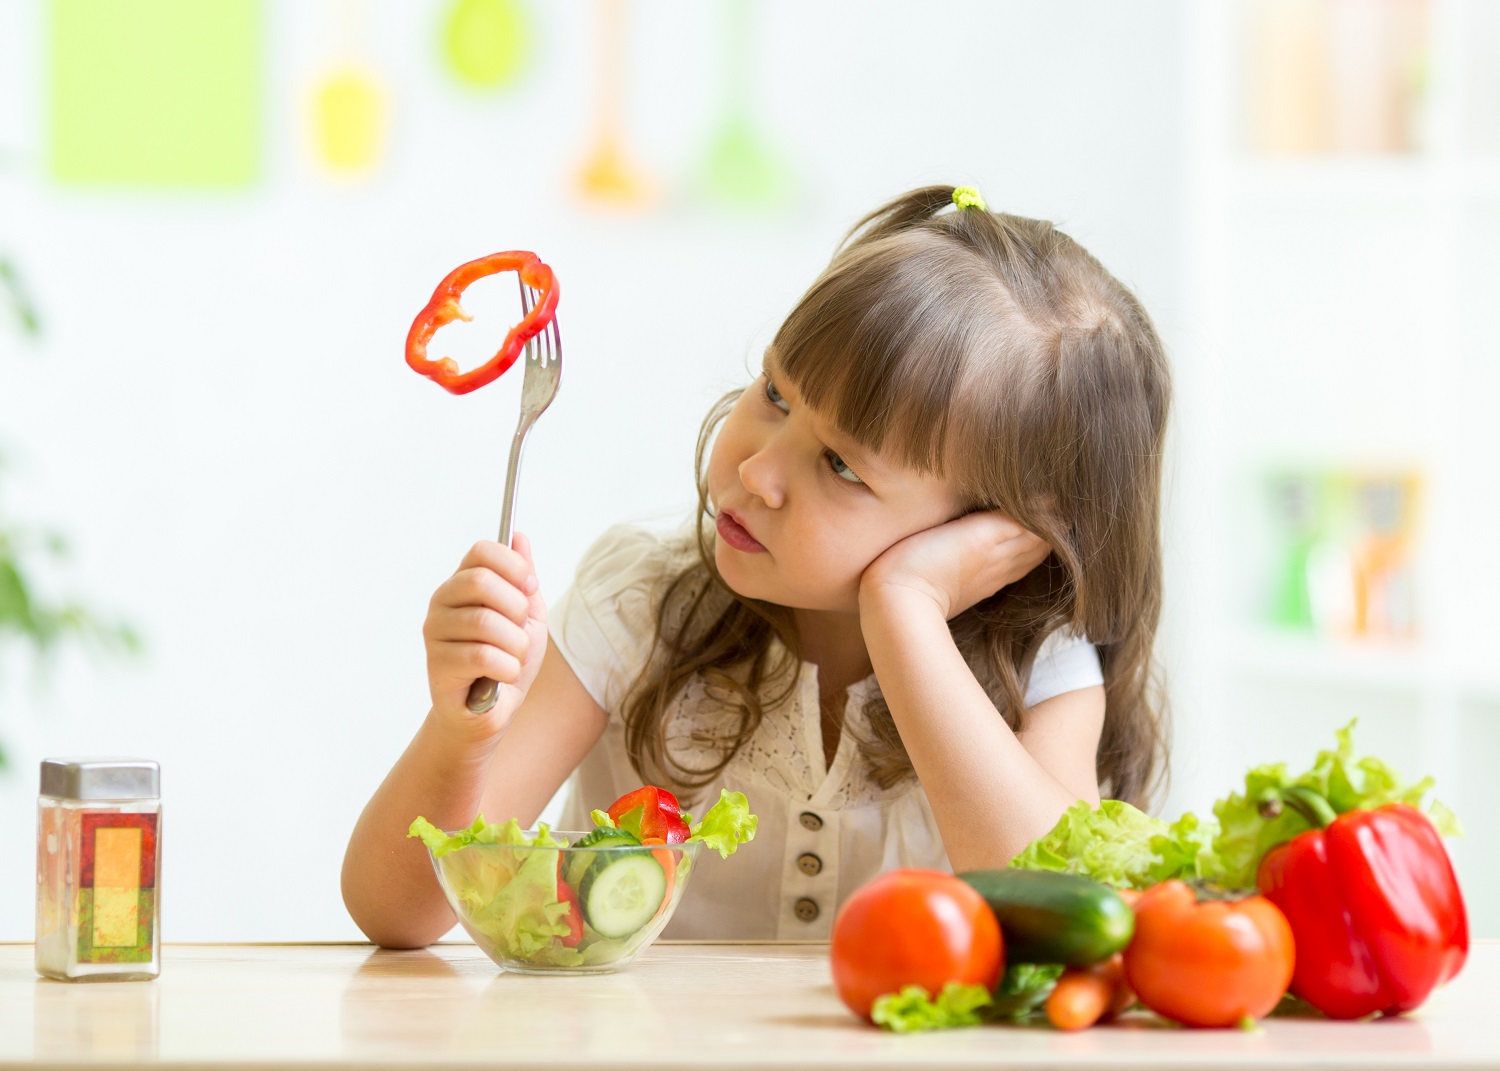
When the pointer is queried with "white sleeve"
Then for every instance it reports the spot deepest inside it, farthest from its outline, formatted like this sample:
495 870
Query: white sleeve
603 625
1065 663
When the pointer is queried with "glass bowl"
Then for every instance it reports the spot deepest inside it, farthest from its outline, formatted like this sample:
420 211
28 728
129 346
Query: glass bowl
567 910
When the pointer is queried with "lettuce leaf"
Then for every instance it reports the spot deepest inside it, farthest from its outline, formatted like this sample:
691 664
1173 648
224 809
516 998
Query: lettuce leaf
1122 846
510 898
1245 834
726 826
913 1008
481 832
1022 990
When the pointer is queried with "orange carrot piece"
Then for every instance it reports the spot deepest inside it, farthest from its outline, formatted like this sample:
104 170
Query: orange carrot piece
1079 1000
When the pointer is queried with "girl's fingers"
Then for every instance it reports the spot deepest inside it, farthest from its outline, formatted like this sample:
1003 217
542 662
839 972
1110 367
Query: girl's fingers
479 624
506 562
537 605
480 586
465 662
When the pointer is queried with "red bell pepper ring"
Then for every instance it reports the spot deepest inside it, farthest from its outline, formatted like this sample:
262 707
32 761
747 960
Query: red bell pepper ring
1374 905
660 815
444 309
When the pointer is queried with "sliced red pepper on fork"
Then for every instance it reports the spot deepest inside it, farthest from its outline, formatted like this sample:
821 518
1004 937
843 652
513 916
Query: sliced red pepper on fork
444 309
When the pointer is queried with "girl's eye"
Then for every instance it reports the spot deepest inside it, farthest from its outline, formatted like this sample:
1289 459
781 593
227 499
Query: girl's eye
774 396
841 470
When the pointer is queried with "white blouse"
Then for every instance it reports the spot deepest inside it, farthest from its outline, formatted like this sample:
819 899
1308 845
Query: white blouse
822 832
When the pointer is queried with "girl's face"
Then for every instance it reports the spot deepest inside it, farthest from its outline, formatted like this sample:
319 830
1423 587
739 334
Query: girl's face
801 510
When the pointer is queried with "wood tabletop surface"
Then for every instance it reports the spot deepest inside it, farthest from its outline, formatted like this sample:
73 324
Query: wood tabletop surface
679 1005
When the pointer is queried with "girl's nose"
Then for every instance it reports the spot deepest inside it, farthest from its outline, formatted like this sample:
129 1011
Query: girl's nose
759 473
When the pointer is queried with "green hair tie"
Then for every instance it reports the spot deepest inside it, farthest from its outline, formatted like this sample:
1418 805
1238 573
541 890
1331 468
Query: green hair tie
968 197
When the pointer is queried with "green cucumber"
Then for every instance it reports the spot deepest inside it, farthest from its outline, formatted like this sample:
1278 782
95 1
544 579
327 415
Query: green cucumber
1047 917
621 891
576 865
608 836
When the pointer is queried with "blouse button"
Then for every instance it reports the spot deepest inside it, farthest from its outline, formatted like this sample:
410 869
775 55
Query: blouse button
806 909
811 821
809 864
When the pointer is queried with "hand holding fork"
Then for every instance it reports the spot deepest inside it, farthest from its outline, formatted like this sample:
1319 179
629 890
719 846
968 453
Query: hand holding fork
543 374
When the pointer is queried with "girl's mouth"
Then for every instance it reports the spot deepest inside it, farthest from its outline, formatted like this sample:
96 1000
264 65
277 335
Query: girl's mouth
736 535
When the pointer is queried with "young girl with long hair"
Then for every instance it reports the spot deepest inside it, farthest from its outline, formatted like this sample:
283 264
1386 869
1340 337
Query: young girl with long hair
912 618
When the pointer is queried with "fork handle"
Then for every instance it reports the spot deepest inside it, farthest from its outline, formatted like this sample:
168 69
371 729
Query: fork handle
484 692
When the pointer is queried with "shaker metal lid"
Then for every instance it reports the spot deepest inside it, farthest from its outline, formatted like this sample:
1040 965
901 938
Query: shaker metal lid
101 779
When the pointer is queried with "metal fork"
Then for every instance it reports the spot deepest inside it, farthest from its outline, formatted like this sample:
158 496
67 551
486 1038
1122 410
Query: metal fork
543 373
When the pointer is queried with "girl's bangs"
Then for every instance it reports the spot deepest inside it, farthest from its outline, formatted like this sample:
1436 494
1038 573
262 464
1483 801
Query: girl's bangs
880 344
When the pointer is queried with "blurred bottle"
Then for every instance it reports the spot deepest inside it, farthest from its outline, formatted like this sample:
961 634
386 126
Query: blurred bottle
1288 77
1383 556
1297 522
1378 58
1345 76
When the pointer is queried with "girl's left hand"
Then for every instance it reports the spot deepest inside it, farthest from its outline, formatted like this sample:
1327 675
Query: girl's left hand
958 563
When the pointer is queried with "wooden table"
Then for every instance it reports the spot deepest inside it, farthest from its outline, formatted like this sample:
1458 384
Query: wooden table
680 1005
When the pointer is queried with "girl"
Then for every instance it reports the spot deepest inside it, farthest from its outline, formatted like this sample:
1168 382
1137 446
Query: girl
912 620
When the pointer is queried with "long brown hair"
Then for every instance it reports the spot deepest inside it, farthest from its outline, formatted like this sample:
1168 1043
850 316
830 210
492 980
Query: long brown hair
994 351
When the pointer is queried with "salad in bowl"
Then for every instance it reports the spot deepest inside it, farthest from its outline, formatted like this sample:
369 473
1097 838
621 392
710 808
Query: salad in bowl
544 901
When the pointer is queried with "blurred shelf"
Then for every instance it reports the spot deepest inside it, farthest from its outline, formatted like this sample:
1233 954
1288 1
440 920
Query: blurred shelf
1359 179
1362 665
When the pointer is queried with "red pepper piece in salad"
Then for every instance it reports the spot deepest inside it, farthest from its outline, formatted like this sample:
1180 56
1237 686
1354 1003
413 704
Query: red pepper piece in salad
574 917
444 308
1374 906
650 812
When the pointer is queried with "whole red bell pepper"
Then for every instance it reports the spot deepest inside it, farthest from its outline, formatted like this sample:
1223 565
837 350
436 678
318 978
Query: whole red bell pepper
444 308
1374 905
660 815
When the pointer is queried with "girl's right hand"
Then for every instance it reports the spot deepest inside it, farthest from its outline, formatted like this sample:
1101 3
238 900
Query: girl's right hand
486 620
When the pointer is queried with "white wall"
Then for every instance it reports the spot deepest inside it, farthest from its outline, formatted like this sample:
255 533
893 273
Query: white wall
219 417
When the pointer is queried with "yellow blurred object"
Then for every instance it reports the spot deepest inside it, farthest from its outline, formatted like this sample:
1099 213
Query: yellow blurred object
485 42
349 120
608 176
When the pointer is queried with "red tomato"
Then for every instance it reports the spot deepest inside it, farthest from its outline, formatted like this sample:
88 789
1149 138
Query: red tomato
1208 962
913 927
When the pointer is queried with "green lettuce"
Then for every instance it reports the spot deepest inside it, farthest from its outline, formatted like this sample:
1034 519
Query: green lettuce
1117 844
510 898
913 1008
1022 990
726 826
481 832
1123 846
1246 832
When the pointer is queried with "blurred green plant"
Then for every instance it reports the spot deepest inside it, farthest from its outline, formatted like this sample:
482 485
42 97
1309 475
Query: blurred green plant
26 620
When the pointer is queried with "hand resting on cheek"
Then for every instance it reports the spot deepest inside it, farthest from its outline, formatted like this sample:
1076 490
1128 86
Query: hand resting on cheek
956 564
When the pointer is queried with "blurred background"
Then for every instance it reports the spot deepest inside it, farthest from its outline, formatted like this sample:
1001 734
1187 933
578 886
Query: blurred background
225 500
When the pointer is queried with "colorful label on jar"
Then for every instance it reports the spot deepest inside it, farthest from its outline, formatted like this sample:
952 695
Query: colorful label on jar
117 888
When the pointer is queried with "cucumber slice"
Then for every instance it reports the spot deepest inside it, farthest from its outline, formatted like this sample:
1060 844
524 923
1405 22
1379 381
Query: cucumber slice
607 836
577 866
621 892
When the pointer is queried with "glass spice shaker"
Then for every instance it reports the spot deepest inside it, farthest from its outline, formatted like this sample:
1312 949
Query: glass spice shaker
98 859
